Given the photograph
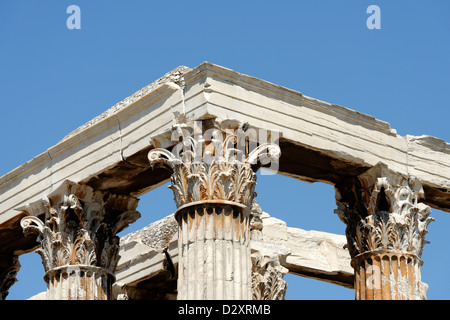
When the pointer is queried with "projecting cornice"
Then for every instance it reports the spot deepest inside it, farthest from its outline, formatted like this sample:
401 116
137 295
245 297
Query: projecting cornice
319 141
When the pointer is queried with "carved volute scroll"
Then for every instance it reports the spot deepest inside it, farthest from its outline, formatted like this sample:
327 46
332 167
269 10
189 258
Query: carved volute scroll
213 184
219 169
79 246
386 228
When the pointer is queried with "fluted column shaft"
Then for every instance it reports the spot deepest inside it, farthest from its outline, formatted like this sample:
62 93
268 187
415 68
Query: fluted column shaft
79 282
215 260
386 228
79 246
388 275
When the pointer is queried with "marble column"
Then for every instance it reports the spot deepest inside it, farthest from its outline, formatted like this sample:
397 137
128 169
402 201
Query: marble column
386 228
213 184
79 246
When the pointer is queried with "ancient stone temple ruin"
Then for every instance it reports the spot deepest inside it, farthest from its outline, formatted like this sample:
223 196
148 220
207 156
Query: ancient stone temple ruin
207 131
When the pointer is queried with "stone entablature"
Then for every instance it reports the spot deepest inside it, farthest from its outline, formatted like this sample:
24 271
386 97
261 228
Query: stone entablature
311 129
318 142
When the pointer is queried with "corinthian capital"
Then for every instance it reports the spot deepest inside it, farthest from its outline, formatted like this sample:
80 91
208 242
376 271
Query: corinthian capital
384 213
79 226
221 168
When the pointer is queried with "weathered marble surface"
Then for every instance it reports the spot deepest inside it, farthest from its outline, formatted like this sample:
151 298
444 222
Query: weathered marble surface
319 141
333 141
315 254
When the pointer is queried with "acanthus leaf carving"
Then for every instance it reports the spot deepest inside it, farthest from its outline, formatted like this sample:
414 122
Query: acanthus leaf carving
218 170
79 231
267 278
394 218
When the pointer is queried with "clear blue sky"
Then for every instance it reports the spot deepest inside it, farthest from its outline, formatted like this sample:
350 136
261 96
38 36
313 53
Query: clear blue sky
53 80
